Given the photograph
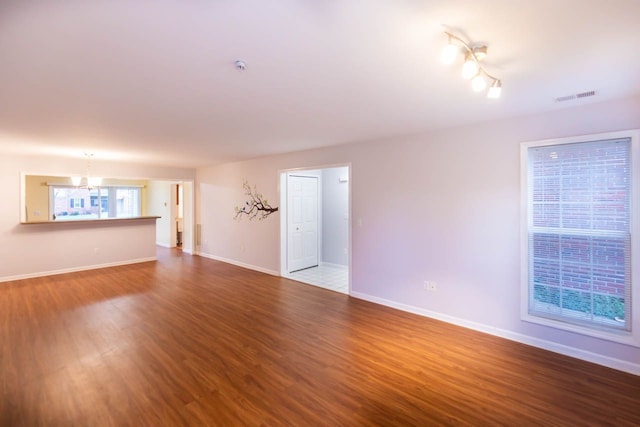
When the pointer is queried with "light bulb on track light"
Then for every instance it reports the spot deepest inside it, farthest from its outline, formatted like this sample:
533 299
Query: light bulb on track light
449 53
495 90
469 68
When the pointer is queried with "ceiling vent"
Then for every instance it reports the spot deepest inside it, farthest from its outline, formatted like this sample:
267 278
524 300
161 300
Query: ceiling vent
575 96
585 94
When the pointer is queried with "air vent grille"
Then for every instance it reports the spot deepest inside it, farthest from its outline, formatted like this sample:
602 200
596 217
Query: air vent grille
585 94
575 96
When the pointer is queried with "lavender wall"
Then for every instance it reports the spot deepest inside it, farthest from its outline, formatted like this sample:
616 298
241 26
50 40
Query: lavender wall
442 206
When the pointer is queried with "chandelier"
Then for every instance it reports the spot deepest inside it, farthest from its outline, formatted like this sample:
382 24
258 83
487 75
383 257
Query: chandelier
89 182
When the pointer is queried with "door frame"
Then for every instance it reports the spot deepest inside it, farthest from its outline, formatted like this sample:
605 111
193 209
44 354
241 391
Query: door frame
282 190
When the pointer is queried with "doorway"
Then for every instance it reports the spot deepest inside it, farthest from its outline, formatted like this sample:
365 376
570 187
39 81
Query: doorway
172 202
179 214
315 227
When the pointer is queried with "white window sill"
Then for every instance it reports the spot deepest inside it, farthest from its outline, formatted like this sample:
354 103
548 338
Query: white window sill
622 337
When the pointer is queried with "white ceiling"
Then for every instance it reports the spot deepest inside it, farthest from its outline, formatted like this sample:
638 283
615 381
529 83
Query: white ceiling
154 81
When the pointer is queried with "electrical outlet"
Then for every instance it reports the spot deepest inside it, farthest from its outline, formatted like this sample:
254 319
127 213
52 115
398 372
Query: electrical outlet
430 285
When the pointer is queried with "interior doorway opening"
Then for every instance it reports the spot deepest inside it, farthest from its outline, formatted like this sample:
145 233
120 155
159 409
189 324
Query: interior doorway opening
172 202
315 230
179 214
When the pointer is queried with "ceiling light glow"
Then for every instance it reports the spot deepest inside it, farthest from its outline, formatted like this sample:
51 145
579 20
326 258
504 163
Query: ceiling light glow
469 68
449 53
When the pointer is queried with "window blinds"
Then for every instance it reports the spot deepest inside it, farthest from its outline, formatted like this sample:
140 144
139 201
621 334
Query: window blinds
579 233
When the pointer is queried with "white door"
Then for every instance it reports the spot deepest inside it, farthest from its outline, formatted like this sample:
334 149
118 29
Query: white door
302 222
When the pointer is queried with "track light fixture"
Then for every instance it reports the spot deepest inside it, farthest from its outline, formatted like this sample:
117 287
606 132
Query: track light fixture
471 68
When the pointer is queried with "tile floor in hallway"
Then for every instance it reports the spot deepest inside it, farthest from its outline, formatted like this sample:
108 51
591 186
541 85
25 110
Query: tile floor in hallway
335 278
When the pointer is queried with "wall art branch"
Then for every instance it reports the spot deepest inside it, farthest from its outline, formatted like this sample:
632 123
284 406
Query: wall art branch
255 207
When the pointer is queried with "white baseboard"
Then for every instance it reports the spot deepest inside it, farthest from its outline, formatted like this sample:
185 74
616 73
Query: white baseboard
610 362
240 264
74 269
164 245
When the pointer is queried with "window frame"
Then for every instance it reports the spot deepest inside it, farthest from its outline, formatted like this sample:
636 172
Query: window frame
631 337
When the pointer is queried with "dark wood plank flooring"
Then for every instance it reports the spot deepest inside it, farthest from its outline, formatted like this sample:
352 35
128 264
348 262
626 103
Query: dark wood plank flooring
191 341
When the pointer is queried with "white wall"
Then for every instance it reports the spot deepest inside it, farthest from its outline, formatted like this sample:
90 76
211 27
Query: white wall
159 204
34 249
442 206
335 216
188 228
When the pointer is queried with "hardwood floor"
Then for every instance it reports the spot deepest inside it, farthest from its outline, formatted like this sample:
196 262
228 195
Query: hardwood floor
191 341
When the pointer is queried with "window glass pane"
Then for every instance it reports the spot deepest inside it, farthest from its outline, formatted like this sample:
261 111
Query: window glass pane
73 203
127 202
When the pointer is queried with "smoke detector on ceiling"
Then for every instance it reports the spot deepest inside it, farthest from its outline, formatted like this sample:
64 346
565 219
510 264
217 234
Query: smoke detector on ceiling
240 65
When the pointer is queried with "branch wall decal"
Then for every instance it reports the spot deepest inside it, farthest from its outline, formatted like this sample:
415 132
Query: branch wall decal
255 207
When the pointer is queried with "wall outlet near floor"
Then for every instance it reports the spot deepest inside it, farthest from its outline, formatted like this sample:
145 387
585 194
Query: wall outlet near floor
430 285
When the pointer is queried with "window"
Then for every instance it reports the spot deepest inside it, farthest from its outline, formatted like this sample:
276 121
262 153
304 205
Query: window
578 203
76 203
72 203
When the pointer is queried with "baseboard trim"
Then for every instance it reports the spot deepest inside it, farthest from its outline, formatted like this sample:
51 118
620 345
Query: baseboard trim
239 264
164 245
610 362
75 269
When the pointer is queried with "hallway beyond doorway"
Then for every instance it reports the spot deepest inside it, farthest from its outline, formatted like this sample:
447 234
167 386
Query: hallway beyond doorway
334 278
